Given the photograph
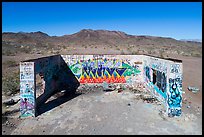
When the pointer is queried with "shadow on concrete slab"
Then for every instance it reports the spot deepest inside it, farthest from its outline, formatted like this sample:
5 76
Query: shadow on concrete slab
58 77
55 103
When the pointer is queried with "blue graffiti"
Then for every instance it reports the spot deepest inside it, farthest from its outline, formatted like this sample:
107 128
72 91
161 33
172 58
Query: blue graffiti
174 99
147 72
174 112
175 68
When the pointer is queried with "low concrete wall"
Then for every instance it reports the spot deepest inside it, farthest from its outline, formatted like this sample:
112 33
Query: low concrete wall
57 77
27 89
109 68
162 77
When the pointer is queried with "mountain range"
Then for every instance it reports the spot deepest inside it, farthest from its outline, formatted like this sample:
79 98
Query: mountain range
104 38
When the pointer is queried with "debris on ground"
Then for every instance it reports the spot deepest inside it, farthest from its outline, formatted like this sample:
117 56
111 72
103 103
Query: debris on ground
188 117
10 124
11 102
162 114
184 100
198 110
140 93
149 99
10 112
107 87
188 106
85 88
193 89
138 96
138 88
120 90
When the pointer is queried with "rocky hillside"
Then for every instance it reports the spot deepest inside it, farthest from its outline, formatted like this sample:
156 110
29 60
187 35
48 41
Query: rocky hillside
34 41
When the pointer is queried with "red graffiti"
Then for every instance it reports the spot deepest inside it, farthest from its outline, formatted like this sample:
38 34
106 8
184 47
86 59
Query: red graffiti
101 80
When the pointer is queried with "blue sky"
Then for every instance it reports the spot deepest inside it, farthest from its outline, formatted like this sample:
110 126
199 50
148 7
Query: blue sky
166 19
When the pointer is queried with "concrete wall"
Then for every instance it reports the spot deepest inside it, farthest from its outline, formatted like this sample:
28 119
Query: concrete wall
27 89
174 93
161 77
157 74
109 68
57 77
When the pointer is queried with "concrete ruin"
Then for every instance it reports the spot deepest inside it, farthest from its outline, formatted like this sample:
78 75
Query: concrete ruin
161 77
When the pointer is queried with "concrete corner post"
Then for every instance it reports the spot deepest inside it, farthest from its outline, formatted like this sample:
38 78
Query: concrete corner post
27 89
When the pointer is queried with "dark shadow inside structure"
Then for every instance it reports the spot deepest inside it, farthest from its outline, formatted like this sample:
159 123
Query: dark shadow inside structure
154 76
42 108
60 78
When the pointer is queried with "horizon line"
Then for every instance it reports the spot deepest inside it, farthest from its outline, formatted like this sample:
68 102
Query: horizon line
102 30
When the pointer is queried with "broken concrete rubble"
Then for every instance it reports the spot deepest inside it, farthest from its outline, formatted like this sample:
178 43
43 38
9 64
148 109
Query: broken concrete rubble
162 115
193 89
11 102
120 90
107 87
146 98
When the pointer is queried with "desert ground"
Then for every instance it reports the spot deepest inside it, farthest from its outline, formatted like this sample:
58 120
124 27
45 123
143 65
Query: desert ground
99 112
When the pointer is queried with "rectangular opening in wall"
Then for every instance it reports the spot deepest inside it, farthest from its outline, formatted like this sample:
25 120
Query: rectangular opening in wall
163 82
154 76
40 85
159 80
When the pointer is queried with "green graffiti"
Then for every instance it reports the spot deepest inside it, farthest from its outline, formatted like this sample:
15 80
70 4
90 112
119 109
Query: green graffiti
125 65
130 70
76 69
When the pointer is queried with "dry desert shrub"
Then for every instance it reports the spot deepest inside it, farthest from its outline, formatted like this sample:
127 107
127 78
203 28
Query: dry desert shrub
11 83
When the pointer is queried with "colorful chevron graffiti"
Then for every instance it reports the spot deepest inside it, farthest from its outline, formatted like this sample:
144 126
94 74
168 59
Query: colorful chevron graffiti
100 70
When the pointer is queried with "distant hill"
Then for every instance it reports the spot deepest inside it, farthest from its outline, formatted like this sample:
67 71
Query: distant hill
192 40
88 37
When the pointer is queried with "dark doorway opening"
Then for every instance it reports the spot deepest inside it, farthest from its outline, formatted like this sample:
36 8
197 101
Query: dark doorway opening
154 76
159 80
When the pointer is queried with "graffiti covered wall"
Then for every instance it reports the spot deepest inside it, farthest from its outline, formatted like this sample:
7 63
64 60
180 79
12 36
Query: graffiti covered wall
163 78
55 73
27 89
109 68
159 75
174 94
155 76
